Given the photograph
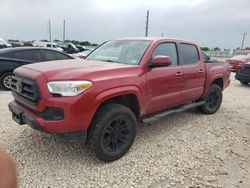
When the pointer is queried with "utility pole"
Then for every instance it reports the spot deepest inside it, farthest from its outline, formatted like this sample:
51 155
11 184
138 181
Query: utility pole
243 40
162 34
63 30
146 33
49 31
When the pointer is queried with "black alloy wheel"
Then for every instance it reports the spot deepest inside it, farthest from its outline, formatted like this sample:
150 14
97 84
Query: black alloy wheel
212 100
112 132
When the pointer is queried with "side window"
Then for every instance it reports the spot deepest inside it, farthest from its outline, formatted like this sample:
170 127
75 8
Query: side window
167 49
189 54
48 45
50 55
31 55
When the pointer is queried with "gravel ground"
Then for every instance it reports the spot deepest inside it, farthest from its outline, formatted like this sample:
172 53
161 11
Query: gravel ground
183 150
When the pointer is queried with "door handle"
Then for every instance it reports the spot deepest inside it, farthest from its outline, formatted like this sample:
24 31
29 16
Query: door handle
201 71
178 74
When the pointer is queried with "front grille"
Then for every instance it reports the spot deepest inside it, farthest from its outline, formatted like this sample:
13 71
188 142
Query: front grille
25 88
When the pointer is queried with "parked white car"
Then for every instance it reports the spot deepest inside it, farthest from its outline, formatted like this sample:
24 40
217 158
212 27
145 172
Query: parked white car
4 43
48 45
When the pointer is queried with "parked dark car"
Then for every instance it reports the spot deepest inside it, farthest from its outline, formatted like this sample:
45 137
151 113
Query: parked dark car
11 58
81 48
69 48
243 74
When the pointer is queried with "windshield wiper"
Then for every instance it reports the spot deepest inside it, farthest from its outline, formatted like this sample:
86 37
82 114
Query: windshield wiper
109 60
106 60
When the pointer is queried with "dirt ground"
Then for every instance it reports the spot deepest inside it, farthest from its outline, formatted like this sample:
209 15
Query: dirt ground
188 149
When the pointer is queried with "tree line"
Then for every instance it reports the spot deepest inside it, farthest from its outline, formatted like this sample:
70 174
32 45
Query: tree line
75 42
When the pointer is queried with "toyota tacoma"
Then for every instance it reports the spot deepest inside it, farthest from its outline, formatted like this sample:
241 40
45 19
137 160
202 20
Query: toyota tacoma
122 83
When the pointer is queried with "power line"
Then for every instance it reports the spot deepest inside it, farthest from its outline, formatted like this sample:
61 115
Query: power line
146 33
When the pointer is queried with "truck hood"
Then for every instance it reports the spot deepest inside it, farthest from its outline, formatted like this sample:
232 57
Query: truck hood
80 69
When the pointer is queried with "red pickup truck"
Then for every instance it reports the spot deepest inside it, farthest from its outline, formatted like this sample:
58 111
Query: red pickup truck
122 83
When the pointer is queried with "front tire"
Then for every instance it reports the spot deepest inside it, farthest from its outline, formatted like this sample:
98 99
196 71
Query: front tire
212 100
5 80
112 132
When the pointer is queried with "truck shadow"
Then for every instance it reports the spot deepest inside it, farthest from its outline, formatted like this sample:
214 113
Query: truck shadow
54 150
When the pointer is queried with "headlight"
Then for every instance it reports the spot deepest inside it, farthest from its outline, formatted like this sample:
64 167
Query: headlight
68 88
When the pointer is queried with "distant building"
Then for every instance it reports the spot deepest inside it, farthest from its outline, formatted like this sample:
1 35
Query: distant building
241 52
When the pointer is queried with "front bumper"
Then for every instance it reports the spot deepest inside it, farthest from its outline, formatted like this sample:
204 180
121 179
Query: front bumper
242 77
23 116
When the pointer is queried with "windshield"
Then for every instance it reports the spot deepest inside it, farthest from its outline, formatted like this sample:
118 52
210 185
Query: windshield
121 51
3 42
72 45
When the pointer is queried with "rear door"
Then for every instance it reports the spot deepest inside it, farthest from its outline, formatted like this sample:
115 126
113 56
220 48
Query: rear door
27 57
194 71
51 55
164 84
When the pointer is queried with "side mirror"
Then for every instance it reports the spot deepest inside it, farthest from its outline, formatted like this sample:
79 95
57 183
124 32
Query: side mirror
160 61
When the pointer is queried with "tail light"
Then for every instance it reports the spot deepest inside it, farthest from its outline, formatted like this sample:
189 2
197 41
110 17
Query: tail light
242 66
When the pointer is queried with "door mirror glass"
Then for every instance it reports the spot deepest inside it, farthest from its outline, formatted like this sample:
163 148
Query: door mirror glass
160 61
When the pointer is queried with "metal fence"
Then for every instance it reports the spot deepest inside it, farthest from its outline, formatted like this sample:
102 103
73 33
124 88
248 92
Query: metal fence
227 53
219 53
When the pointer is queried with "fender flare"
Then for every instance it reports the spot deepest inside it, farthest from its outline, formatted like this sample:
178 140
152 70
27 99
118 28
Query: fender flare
116 92
209 83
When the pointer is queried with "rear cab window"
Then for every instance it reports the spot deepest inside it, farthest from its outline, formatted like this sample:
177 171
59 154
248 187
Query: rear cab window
189 54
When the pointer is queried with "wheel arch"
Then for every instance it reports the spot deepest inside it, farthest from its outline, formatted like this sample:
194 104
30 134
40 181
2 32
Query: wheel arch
130 97
121 95
218 80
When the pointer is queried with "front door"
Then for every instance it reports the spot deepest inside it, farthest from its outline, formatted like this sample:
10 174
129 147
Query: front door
164 84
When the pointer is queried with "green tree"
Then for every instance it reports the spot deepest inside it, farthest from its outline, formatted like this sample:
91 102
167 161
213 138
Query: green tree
205 49
216 49
57 40
82 43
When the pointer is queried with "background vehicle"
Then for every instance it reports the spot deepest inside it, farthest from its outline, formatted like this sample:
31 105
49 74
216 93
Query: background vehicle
81 48
84 54
237 61
11 58
4 44
243 74
48 45
69 48
121 83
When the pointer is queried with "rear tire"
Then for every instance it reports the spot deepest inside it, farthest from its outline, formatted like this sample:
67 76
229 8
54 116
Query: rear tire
5 80
212 100
112 132
244 82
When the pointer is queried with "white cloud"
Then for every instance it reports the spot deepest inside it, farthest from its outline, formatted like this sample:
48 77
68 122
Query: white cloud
210 22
